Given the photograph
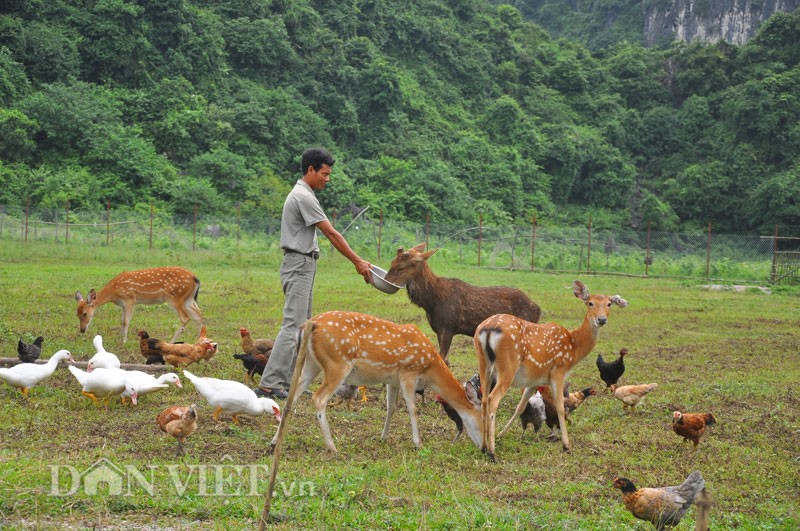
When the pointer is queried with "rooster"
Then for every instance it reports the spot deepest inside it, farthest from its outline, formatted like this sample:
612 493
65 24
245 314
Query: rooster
631 395
179 422
573 400
611 371
255 346
691 426
663 507
30 352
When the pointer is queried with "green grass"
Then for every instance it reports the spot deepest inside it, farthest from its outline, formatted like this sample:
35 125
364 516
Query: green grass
735 354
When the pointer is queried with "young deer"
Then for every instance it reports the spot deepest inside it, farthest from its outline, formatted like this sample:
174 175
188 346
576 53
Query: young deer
365 350
174 285
528 355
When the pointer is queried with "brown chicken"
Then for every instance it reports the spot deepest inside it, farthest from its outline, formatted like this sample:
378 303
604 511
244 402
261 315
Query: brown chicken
255 346
631 395
152 356
691 426
181 355
663 507
178 422
573 400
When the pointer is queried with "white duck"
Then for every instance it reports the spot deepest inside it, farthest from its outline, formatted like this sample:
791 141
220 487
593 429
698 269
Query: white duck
27 375
233 397
101 383
141 383
103 359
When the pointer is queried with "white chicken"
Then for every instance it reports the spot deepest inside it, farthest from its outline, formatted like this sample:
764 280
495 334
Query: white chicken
233 397
103 358
27 375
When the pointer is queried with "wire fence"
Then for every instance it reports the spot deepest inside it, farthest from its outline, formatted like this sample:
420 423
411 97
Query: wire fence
535 246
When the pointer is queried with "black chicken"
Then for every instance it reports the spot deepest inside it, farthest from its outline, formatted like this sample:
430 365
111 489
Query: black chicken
253 364
453 414
29 352
473 389
610 372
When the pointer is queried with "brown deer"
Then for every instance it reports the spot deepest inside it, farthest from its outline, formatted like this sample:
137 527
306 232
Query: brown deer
364 350
174 285
528 355
451 305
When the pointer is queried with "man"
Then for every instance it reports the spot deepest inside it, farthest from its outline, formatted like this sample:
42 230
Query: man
302 216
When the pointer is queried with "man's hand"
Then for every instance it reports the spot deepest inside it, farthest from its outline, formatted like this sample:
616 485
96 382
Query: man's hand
363 268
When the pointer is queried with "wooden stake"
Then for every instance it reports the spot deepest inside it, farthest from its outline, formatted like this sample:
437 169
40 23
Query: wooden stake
276 451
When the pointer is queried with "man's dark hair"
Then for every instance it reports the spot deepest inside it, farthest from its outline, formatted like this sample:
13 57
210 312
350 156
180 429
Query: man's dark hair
315 157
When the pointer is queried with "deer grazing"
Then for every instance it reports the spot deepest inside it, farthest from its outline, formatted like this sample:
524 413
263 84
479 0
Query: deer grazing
174 285
364 350
523 354
451 305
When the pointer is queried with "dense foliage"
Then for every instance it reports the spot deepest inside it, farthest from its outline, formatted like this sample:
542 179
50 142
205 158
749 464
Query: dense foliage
443 107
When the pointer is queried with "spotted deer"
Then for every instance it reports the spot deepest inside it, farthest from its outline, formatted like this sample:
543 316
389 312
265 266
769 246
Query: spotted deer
176 286
364 350
524 354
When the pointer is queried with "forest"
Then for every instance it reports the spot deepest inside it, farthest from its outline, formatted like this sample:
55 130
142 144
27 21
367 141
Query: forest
442 108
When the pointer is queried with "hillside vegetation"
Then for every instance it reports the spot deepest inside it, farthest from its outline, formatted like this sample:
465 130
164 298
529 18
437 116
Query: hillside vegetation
442 107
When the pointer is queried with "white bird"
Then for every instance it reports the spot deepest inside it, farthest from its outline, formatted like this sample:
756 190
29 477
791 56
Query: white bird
141 383
233 397
27 375
101 383
103 359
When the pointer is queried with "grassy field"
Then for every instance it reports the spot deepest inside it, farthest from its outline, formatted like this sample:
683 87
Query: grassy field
734 354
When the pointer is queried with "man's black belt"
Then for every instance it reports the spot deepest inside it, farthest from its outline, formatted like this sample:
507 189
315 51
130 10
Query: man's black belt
310 254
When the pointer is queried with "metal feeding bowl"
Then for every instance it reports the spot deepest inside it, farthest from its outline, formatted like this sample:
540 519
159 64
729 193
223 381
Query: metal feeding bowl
380 282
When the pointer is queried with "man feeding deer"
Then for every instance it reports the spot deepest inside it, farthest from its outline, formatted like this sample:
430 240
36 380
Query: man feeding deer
302 216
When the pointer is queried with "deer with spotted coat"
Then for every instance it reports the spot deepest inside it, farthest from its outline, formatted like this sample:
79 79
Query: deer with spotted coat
524 354
364 350
176 286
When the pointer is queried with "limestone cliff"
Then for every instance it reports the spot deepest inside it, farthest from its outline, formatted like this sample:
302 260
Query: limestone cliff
733 21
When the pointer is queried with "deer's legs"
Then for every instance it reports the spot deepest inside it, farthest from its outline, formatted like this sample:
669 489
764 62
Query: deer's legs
391 405
408 387
526 395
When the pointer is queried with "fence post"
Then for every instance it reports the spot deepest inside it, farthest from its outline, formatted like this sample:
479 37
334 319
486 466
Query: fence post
66 223
589 248
647 258
380 233
480 237
238 223
194 229
775 255
27 210
108 222
151 225
533 245
427 231
708 252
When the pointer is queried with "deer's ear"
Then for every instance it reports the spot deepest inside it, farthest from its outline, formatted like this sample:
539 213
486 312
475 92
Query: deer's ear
78 296
580 290
419 248
472 393
619 301
92 295
427 255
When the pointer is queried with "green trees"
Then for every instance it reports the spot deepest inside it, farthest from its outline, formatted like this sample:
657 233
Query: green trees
436 107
